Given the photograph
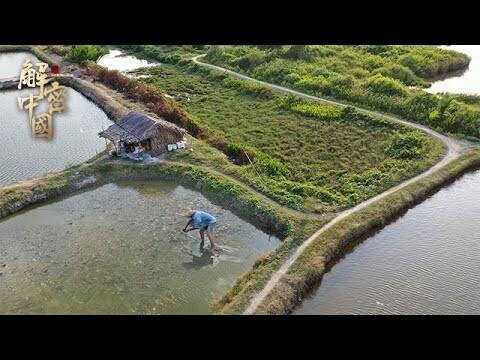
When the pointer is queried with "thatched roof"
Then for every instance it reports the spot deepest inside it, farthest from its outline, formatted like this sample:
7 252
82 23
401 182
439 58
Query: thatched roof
136 127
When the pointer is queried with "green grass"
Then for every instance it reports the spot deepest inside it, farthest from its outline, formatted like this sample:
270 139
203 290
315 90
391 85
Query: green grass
169 54
308 269
237 298
230 109
83 53
385 78
311 156
293 228
232 195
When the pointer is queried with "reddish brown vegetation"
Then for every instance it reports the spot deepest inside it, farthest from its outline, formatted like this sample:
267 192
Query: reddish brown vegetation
142 93
162 107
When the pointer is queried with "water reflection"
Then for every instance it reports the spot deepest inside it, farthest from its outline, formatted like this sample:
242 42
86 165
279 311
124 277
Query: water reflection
424 263
198 261
117 60
467 82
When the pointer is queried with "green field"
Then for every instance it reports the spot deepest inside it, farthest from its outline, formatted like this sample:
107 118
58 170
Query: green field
380 77
307 156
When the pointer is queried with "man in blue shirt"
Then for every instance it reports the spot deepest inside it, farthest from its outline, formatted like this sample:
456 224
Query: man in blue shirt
203 221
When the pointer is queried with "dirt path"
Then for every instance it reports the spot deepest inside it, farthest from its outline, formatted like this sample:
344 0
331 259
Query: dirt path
455 148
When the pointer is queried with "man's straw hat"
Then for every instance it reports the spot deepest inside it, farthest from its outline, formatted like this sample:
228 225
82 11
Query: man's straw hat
189 213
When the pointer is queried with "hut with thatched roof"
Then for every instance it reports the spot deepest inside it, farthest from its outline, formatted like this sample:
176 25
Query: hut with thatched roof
135 129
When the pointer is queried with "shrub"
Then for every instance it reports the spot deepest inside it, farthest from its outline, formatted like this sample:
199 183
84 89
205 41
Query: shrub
399 72
383 85
61 50
249 87
83 53
241 154
406 146
252 59
143 93
318 111
270 165
296 52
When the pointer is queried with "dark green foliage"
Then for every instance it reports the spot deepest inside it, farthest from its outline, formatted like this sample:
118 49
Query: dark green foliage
296 52
270 165
373 76
61 50
406 146
399 72
83 53
385 85
241 154
162 53
467 98
249 87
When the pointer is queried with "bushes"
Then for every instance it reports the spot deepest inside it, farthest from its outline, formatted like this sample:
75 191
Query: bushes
406 146
401 73
296 52
384 85
60 50
252 59
216 54
154 52
241 154
83 53
318 111
270 165
419 105
249 87
374 76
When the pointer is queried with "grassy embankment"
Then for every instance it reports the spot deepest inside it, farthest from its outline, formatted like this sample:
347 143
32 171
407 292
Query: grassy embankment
68 53
307 156
296 163
402 144
385 78
309 268
237 298
217 187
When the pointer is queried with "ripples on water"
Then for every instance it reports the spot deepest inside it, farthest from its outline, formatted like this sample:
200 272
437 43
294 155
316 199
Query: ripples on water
119 249
75 137
427 262
75 130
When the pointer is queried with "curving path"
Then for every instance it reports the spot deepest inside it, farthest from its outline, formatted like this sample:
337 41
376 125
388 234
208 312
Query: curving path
455 148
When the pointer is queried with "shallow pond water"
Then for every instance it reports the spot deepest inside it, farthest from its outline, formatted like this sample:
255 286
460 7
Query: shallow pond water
75 137
119 249
117 60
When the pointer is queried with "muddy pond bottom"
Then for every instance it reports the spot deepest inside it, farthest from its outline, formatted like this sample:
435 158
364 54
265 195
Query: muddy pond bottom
119 249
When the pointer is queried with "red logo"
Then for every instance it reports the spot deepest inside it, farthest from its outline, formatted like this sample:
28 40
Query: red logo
54 69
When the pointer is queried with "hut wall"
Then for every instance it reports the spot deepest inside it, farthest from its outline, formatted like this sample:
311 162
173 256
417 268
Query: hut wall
161 138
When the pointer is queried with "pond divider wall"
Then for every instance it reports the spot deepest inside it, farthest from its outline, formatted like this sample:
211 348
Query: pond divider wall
310 266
